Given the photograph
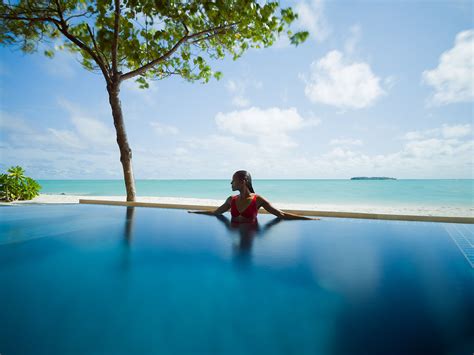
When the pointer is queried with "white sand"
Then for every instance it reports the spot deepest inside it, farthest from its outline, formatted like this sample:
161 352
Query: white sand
445 211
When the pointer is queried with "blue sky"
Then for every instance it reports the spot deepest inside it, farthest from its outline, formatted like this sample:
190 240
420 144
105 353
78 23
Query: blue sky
379 88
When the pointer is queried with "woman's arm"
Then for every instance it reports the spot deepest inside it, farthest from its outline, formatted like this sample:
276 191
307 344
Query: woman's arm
280 214
220 210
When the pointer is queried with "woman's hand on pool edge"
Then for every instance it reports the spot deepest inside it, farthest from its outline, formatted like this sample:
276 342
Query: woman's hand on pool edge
203 212
220 210
295 216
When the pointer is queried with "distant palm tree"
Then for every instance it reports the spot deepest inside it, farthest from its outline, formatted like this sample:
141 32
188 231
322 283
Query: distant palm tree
17 173
16 186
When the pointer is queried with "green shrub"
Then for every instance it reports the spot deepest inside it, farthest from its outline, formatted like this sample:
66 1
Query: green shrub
16 186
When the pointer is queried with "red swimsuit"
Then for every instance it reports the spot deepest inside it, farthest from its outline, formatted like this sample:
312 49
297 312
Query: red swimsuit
250 212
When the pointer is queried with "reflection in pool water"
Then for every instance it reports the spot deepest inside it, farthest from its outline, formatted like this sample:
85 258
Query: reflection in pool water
101 279
246 234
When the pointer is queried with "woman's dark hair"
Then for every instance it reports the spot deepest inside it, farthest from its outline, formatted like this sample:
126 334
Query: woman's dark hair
245 175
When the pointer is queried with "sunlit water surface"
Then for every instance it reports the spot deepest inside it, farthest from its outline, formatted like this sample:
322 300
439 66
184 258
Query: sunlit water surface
101 279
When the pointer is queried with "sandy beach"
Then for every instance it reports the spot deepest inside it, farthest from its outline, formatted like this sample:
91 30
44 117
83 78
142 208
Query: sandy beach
446 211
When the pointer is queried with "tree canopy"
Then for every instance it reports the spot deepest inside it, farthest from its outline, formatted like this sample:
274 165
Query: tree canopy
146 39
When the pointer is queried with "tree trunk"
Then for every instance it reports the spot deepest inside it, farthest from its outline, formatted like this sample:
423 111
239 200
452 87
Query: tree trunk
122 141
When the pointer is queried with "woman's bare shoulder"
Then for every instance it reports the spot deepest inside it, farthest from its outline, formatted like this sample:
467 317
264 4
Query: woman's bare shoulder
261 199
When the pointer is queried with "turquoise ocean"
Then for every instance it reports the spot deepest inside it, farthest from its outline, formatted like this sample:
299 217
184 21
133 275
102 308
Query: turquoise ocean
406 192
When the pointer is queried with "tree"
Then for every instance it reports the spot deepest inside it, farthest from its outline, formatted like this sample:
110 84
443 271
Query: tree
144 40
16 186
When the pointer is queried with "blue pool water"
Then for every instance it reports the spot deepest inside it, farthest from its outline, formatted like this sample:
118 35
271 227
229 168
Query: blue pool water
82 279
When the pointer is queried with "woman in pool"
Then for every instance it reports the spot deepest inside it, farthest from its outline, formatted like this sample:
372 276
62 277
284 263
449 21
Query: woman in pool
244 207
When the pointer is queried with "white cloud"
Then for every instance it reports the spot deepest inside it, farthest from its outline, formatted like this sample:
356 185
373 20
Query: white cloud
336 81
93 130
87 128
456 131
68 138
453 79
429 157
13 124
87 149
445 131
16 132
269 126
345 141
238 89
163 129
255 139
413 135
181 151
249 139
311 18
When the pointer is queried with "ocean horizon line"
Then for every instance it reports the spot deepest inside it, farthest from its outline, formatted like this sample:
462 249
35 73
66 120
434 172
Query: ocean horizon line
253 179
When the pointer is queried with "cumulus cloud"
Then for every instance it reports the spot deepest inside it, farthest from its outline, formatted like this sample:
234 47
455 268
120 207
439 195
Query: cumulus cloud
339 82
266 125
453 78
441 152
425 158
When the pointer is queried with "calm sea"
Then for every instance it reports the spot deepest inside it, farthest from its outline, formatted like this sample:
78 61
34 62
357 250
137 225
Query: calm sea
458 192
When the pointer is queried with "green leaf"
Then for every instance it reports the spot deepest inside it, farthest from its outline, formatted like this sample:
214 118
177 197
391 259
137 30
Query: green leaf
49 53
299 37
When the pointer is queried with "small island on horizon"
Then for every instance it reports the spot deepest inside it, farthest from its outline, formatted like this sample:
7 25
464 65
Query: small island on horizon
372 178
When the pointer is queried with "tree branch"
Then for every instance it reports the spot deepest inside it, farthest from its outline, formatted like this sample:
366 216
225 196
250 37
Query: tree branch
168 54
216 33
78 15
63 28
30 19
115 40
185 28
104 59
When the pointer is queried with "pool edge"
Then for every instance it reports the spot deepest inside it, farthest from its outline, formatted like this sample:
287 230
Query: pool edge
444 219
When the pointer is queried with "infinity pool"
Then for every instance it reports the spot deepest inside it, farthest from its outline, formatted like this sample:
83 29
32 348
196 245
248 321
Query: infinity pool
89 279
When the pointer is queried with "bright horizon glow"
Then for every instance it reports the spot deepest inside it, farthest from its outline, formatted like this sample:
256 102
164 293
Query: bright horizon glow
366 95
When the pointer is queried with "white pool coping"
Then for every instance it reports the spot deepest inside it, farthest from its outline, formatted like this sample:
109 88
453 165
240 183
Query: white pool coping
396 217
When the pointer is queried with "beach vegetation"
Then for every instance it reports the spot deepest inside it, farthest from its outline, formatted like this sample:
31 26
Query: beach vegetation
145 40
14 185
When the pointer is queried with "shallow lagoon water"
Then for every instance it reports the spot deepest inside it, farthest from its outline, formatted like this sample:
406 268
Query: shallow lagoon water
103 279
405 192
